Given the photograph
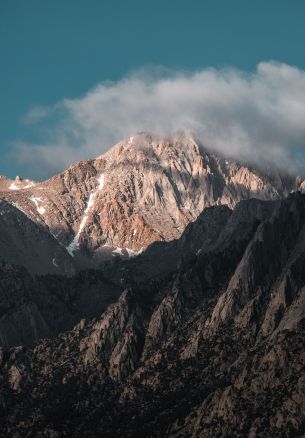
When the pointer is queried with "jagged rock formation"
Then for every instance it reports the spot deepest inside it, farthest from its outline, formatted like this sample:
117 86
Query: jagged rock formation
144 189
212 347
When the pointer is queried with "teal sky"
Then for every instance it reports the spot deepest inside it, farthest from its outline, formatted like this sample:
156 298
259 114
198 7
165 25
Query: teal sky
52 49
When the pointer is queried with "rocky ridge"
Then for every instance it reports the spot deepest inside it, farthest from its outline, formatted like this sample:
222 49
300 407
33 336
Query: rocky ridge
144 189
213 346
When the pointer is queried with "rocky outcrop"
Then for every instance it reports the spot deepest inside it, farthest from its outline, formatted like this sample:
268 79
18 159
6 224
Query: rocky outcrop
117 338
182 295
270 266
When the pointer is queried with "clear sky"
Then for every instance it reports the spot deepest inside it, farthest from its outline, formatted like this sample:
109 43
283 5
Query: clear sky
55 49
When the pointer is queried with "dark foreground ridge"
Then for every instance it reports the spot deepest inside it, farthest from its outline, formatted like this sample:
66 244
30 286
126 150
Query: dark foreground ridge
206 339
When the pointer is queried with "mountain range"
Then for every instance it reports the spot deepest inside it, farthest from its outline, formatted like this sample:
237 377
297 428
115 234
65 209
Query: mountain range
157 290
144 189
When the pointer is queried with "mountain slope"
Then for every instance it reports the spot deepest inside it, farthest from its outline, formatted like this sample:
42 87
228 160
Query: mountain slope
35 307
25 243
215 348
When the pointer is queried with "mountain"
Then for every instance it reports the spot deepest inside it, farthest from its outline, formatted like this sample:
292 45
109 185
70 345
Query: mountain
144 189
208 342
191 323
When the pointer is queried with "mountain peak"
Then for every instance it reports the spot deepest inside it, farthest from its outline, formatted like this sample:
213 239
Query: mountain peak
153 187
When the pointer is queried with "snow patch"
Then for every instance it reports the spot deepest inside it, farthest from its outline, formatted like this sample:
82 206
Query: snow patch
74 245
40 208
14 186
132 253
31 184
54 262
118 251
101 181
19 185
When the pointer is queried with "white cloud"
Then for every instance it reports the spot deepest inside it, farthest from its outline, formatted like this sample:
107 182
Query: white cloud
259 117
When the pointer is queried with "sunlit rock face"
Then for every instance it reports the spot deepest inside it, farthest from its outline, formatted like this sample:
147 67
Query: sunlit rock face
144 189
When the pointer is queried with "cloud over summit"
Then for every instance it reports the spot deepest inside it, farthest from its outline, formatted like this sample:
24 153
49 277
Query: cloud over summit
259 117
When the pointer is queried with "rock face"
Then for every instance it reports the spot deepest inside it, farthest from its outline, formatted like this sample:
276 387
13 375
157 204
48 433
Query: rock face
144 189
209 344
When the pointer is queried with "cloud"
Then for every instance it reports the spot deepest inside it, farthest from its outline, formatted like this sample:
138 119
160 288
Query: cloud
258 117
